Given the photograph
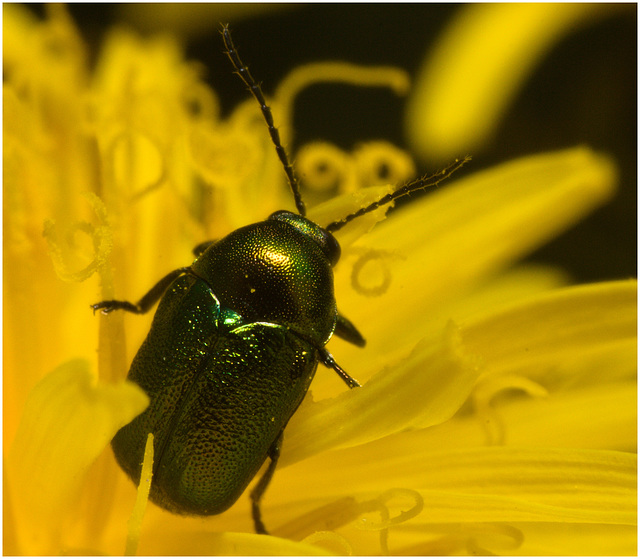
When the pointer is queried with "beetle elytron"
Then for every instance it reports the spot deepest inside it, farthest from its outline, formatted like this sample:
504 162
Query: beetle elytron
233 347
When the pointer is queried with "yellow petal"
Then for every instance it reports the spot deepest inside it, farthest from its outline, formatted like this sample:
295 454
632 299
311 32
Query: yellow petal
577 539
229 543
486 484
566 327
596 417
67 423
527 422
425 389
523 281
519 484
532 484
477 67
465 489
17 34
437 247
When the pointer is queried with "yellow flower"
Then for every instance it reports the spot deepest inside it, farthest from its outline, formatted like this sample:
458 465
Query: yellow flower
498 408
468 81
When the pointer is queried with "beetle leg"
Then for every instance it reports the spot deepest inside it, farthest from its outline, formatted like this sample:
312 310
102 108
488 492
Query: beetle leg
144 304
346 330
328 361
258 491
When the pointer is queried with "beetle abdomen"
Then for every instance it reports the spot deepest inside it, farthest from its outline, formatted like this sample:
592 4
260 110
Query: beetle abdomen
215 422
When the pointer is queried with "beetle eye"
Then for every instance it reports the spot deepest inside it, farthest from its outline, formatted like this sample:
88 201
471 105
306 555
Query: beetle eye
322 237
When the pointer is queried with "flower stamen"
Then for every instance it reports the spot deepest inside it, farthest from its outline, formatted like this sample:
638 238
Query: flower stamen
501 536
484 396
134 526
100 235
372 266
380 505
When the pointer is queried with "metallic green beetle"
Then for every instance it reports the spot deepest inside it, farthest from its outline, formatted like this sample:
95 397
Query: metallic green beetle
233 347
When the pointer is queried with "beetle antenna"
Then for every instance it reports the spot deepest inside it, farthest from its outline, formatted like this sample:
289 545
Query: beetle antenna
413 186
256 91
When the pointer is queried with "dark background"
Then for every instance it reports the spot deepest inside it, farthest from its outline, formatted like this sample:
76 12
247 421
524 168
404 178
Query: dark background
584 92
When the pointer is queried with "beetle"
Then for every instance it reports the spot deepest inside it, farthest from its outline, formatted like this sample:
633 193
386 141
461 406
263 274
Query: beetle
233 347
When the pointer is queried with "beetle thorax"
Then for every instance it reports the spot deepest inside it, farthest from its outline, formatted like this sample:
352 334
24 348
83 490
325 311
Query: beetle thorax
271 272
